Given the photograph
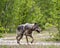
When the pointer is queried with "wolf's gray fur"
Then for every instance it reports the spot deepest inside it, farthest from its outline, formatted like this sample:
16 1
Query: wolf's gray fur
26 29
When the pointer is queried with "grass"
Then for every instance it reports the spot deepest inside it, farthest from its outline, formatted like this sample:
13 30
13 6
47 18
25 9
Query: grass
30 46
9 34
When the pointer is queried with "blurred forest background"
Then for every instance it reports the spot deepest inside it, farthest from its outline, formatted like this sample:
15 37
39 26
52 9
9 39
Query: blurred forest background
15 12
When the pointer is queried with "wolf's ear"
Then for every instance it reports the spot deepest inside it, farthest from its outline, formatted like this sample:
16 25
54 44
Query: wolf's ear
35 23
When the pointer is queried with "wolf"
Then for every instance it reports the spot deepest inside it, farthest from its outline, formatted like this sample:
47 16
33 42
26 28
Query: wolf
27 29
